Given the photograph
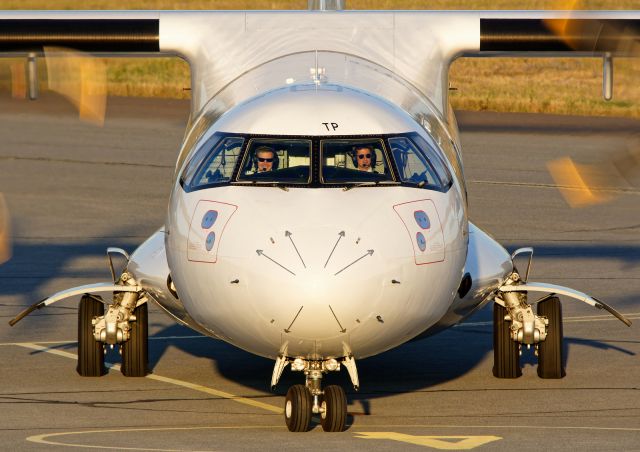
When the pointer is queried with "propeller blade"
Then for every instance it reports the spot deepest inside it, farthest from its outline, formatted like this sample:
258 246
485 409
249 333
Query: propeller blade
81 78
584 185
5 231
595 35
18 80
575 182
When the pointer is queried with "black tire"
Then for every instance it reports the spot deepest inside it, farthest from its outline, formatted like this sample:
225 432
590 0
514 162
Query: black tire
135 351
506 352
335 409
90 351
550 363
297 408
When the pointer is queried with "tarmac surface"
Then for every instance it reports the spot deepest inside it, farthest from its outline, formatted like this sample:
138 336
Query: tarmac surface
73 189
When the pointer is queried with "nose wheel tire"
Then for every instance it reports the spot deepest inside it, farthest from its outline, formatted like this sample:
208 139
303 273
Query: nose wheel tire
506 352
550 350
334 413
297 408
135 351
90 351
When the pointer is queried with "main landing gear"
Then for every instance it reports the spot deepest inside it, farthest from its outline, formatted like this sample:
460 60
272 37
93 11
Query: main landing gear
303 401
515 324
508 337
124 324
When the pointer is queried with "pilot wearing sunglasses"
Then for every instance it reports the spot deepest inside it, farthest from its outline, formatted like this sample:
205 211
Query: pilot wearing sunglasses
365 158
265 159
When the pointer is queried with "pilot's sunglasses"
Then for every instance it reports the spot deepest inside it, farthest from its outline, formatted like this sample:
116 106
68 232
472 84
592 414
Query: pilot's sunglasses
361 156
265 160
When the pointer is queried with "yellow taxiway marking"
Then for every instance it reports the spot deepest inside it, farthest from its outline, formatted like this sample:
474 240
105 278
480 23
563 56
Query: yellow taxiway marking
43 439
437 442
434 442
173 381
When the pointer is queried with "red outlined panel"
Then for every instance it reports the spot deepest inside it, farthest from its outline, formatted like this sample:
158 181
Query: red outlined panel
208 223
425 230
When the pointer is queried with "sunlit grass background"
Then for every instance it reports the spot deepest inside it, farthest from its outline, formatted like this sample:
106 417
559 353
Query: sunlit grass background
550 85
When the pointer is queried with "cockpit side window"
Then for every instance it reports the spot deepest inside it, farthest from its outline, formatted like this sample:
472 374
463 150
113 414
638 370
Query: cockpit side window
277 160
213 163
413 166
436 160
354 161
419 164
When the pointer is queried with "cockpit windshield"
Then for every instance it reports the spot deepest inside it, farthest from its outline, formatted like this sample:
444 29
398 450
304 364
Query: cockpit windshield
354 161
399 159
277 160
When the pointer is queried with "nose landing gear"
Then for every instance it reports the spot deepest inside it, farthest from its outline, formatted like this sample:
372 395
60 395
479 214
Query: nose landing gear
303 401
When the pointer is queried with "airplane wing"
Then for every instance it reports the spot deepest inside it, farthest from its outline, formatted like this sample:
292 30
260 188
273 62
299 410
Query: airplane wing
417 45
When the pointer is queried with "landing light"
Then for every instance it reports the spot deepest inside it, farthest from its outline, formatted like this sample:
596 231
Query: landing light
331 365
298 364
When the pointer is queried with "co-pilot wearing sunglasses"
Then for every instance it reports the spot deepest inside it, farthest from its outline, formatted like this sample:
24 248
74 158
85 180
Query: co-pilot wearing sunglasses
364 158
265 157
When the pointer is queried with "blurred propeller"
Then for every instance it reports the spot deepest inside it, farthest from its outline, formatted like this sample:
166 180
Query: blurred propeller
584 185
5 231
607 35
81 78
580 184
18 80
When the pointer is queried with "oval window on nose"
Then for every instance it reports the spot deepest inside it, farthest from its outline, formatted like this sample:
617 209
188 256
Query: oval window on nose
211 240
209 219
422 242
422 219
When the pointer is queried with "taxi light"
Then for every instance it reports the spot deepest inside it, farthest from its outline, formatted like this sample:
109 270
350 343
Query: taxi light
331 365
298 364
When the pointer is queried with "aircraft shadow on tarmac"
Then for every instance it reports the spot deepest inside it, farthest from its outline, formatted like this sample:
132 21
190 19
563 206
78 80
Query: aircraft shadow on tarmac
415 366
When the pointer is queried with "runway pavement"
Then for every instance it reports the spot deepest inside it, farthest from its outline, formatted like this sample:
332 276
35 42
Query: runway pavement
73 189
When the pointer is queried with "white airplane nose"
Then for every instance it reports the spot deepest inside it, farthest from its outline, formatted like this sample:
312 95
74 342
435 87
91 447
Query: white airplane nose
316 283
354 275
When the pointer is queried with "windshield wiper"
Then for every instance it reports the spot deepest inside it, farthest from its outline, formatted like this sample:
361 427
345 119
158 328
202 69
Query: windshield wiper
371 184
261 183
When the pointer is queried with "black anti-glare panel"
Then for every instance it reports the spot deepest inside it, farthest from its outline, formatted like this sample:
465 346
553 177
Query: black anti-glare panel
620 36
88 35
